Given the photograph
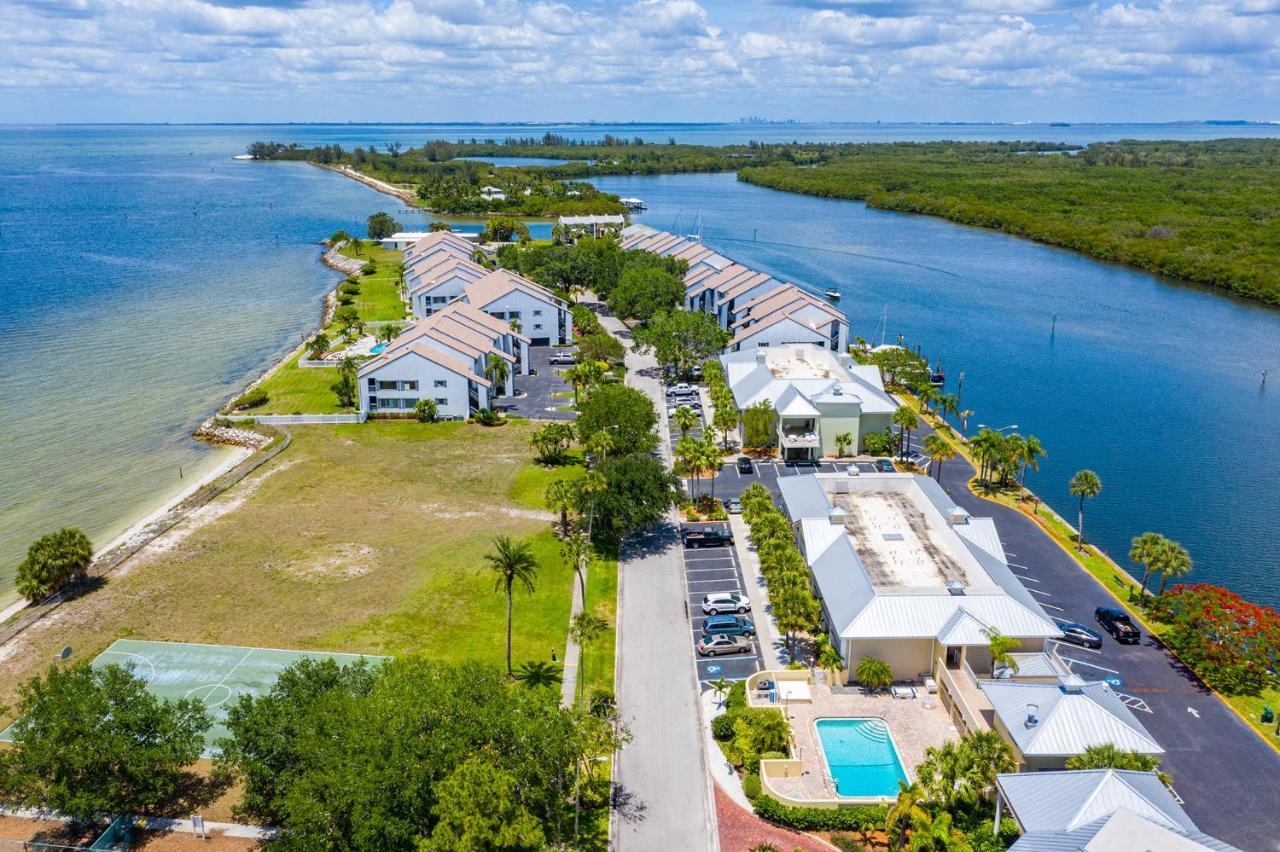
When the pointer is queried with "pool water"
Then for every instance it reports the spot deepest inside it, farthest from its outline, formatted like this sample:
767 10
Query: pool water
861 756
378 350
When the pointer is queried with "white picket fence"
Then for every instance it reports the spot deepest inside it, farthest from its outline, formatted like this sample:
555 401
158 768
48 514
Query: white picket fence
299 419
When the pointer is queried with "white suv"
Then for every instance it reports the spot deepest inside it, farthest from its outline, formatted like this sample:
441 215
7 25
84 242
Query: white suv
718 602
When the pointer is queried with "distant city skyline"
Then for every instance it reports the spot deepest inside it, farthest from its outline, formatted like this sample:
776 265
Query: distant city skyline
651 60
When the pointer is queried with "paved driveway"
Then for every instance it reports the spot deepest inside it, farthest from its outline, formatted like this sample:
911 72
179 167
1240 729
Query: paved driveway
1229 778
716 569
535 400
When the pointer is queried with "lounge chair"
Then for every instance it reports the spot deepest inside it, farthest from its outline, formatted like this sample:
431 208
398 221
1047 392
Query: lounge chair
904 692
930 685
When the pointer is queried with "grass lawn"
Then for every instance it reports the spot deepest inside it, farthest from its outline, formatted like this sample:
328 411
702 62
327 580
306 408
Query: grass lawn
293 389
379 297
364 538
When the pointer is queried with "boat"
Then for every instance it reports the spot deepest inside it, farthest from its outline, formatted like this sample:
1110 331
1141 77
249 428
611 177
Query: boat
937 377
833 295
633 203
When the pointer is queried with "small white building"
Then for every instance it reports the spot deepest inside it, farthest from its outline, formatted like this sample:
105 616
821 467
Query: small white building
592 226
816 394
492 193
541 315
401 240
432 285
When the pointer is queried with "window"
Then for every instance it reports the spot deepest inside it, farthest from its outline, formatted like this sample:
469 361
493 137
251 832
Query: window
439 300
442 383
537 313
537 326
442 400
385 385
411 384
373 384
391 403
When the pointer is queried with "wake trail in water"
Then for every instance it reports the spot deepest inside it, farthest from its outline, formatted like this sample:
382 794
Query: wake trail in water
848 252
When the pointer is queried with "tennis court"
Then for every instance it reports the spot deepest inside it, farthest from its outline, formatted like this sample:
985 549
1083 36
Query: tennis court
215 674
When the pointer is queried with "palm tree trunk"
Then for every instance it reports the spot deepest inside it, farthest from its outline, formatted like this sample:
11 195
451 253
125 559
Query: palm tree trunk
938 478
1080 526
1145 575
1164 580
509 628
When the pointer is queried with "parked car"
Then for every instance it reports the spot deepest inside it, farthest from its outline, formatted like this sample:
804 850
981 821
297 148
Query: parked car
1078 634
718 602
671 410
885 465
1117 623
716 534
682 387
729 625
744 465
734 506
562 359
714 646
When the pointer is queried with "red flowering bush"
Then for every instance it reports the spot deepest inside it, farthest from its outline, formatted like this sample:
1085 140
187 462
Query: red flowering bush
1233 645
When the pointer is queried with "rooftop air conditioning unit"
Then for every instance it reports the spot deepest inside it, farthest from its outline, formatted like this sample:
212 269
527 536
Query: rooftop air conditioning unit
1032 718
837 516
955 587
836 390
957 516
762 355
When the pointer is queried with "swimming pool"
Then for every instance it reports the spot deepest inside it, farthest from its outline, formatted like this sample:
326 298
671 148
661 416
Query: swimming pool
861 756
377 350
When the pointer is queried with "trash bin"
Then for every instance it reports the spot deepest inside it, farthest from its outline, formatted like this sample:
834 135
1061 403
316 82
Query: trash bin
1268 715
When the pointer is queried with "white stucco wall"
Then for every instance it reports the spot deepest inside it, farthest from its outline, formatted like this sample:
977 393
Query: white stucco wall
414 367
525 304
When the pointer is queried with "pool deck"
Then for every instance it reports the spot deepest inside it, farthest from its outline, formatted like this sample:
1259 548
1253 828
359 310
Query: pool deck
915 725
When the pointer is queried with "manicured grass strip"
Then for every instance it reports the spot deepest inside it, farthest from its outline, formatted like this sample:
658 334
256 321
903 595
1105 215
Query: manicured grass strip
602 599
306 390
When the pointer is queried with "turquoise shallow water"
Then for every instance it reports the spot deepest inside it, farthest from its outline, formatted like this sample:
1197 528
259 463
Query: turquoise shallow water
144 276
861 756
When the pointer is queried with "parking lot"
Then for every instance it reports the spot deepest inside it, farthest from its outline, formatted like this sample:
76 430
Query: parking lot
731 482
535 391
716 569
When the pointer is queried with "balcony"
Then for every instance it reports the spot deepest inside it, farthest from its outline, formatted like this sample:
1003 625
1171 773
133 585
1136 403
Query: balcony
799 436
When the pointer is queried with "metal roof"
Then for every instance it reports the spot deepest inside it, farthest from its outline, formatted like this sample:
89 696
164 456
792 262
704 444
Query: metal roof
843 587
914 615
1070 718
804 497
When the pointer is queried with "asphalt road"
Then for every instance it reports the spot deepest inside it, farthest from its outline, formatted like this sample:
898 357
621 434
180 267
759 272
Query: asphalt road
535 399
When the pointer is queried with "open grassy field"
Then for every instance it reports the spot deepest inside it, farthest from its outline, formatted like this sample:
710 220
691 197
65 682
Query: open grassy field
379 298
364 538
297 390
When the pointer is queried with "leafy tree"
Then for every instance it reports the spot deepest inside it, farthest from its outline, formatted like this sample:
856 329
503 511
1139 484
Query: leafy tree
906 419
643 292
1234 645
478 809
381 226
551 442
514 564
339 236
439 226
685 419
585 629
681 339
94 742
625 412
318 346
878 443
873 673
501 229
347 318
1001 648
637 492
758 420
426 410
600 346
1085 484
843 441
53 561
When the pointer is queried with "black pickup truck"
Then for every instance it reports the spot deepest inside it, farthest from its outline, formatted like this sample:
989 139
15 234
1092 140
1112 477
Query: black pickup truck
715 534
1117 623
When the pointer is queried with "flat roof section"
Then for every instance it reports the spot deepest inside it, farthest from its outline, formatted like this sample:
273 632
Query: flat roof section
790 362
897 545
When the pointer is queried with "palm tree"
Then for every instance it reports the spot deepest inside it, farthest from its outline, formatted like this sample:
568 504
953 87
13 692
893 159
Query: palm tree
560 498
909 805
1002 648
721 687
964 421
906 419
944 774
873 673
1108 756
939 450
936 834
926 393
586 628
582 376
513 561
318 346
497 370
989 755
685 419
1145 550
689 453
1084 484
1175 562
843 440
538 674
1032 452
948 403
712 460
576 551
387 332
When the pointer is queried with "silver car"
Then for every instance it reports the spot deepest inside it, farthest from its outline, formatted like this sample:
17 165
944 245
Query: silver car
720 643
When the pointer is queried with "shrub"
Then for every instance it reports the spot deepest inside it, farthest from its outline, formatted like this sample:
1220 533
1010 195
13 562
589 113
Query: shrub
878 443
345 299
873 673
489 417
53 561
250 399
348 287
586 322
339 237
426 410
369 268
737 699
819 819
751 786
601 701
722 725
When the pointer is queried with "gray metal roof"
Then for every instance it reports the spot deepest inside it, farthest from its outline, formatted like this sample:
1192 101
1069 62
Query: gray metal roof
804 497
844 589
1070 718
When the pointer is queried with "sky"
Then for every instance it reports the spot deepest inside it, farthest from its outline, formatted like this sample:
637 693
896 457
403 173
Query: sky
638 60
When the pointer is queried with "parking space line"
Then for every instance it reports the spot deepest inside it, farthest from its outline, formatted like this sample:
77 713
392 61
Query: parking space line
1075 647
1051 606
743 657
1015 564
1039 592
1025 578
1090 665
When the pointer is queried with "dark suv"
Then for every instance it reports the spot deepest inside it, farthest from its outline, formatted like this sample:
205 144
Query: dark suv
707 535
730 625
1117 623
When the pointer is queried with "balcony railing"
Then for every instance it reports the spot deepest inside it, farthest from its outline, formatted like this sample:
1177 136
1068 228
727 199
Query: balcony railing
799 437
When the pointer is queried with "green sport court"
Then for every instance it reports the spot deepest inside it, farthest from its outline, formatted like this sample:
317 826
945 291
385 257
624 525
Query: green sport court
215 674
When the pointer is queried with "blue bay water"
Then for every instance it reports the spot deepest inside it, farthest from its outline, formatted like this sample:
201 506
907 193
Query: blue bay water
144 276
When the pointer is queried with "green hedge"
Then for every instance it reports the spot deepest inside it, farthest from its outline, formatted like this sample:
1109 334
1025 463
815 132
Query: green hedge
850 818
585 320
751 786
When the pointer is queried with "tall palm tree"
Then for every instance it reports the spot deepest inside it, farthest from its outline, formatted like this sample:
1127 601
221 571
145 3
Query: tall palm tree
497 370
319 345
1175 562
1145 550
576 551
944 774
685 419
560 497
948 403
513 562
909 805
989 755
1085 484
586 628
1001 647
1032 452
939 450
906 419
964 421
689 453
931 833
926 393
712 461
